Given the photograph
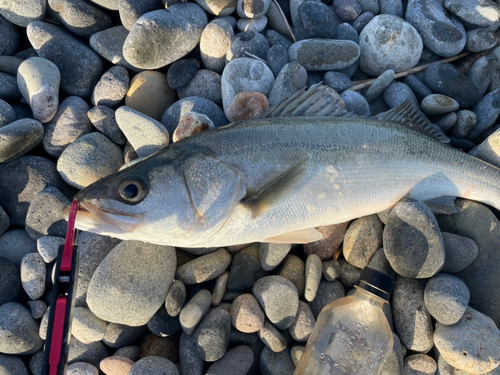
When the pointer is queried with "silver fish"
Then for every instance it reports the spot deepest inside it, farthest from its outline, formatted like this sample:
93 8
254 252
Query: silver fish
274 179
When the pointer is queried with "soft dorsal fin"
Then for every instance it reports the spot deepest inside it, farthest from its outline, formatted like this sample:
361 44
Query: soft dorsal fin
408 114
319 100
275 190
298 236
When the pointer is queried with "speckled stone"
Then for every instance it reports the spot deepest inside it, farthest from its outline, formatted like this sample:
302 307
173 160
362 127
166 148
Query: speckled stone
153 365
460 252
272 337
103 119
333 235
255 25
337 81
236 361
220 288
116 365
211 266
195 310
164 325
111 88
291 79
7 114
396 93
205 84
246 314
328 291
131 10
211 338
349 275
9 90
271 255
419 89
218 7
362 239
252 8
304 323
33 273
12 365
380 263
466 120
214 44
437 104
276 363
331 269
130 352
296 354
247 105
22 12
18 138
82 368
181 72
176 297
419 364
10 281
119 335
293 268
480 39
15 244
245 270
313 272
248 42
190 363
446 122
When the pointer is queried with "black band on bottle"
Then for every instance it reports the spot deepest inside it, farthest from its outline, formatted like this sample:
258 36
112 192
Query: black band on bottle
372 289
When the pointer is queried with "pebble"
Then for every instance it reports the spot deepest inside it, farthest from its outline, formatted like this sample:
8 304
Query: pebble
69 123
303 325
211 338
272 254
116 365
394 362
181 72
429 16
214 44
220 288
293 268
236 361
330 54
176 297
277 58
7 114
15 244
18 330
446 297
419 89
38 80
153 365
412 320
71 56
80 17
291 79
355 103
275 19
313 273
33 273
89 159
276 38
87 327
328 291
42 332
204 268
333 235
248 42
118 335
38 308
487 111
437 104
245 270
480 39
11 365
315 21
462 144
204 84
362 239
272 363
252 8
82 368
346 32
11 39
161 37
389 42
103 119
482 72
331 269
349 275
111 88
255 25
272 337
247 105
189 361
246 314
150 94
470 345
474 12
397 93
460 252
419 364
219 8
347 10
131 10
444 78
22 12
130 352
164 325
18 138
4 221
125 296
10 281
446 122
337 81
379 85
417 249
296 354
380 263
362 21
195 310
166 347
9 90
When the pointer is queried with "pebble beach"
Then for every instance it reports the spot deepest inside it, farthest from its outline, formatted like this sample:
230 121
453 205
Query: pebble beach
89 87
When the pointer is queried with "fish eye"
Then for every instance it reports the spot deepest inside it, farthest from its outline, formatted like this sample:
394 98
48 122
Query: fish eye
132 191
198 122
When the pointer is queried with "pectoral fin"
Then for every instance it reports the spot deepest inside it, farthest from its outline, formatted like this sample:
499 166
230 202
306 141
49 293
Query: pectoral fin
443 205
298 236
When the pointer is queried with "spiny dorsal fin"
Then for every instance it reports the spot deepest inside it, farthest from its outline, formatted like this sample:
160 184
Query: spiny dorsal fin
408 114
298 236
275 190
319 100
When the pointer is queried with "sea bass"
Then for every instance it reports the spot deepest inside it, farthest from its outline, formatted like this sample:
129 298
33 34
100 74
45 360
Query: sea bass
274 179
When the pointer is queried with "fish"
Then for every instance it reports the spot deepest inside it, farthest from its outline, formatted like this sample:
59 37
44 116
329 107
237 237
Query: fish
277 177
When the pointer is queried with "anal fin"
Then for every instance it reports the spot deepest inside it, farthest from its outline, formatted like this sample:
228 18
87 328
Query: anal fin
443 205
298 236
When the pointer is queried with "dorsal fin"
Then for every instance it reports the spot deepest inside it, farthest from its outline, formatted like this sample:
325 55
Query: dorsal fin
408 114
319 100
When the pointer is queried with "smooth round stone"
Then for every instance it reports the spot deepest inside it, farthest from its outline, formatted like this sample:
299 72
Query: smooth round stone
255 25
470 345
346 32
195 310
44 325
487 111
417 249
103 119
10 281
132 282
204 84
236 361
175 298
313 271
161 37
219 8
388 42
18 138
22 12
323 54
89 159
220 288
69 123
445 79
328 291
331 269
79 65
276 363
279 298
131 10
446 122
150 94
480 39
291 79
419 89
11 365
363 20
245 75
380 263
38 308
274 38
252 8
38 80
182 71
211 338
362 239
296 354
18 330
153 365
33 273
482 73
337 81
247 105
204 268
164 325
437 104
379 85
394 7
440 33
248 42
116 365
15 244
9 90
87 327
246 314
460 252
293 268
79 17
419 364
7 113
272 337
315 21
82 368
412 320
473 12
356 103
272 254
277 58
118 335
245 270
347 10
333 235
397 93
130 352
304 323
189 361
446 297
214 44
145 134
111 88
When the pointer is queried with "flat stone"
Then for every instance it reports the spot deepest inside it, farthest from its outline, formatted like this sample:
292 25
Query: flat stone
116 365
131 10
303 325
247 105
111 88
211 338
214 44
293 268
205 84
211 266
236 361
119 335
195 310
155 365
346 32
474 12
347 10
333 236
328 291
291 79
18 138
362 21
482 72
218 7
164 325
15 244
130 352
22 12
337 81
246 314
480 40
362 239
10 281
419 364
276 363
103 119
271 255
272 337
87 327
82 368
460 252
176 297
33 273
437 104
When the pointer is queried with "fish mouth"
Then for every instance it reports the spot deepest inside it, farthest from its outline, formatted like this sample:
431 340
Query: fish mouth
94 219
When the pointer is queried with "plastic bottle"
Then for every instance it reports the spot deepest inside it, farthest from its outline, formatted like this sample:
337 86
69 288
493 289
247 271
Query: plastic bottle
352 334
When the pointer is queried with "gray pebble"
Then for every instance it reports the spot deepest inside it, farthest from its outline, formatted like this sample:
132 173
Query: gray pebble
460 252
15 244
246 314
296 354
313 273
9 44
412 320
277 58
487 111
437 104
328 291
248 42
291 79
153 365
303 325
275 19
397 93
419 89
315 20
331 269
190 363
482 72
12 365
255 25
205 84
337 81
466 120
10 281
236 361
393 364
362 21
446 122
195 310
38 308
349 275
22 12
480 39
131 10
272 337
371 6
245 270
82 368
220 288
272 363
221 8
7 114
473 12
379 85
328 54
346 32
111 88
181 72
355 103
211 338
176 297
204 268
103 119
271 254
347 10
119 335
252 8
275 38
214 44
419 364
33 273
130 352
417 249
380 263
240 338
87 327
362 239
9 89
18 138
164 325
